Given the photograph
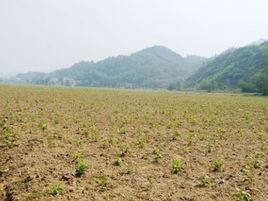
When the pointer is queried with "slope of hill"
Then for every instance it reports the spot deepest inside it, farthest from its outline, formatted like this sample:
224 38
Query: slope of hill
154 67
243 68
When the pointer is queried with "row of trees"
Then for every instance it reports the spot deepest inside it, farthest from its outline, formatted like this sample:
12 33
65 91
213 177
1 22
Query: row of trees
175 86
257 84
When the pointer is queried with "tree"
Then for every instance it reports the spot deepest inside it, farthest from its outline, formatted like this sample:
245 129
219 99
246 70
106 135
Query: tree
175 86
247 87
260 80
208 85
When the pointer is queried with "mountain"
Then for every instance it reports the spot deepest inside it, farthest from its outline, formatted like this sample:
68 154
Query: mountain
242 68
258 42
154 67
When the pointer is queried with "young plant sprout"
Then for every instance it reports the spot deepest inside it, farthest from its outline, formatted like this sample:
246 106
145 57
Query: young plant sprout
176 166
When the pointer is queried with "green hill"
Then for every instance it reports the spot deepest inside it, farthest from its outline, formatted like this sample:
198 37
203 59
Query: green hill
154 67
244 68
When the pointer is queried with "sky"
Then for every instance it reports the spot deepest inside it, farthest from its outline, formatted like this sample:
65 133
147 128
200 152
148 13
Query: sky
44 35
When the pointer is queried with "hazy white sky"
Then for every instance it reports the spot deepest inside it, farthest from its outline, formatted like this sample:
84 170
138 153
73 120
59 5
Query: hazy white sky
44 35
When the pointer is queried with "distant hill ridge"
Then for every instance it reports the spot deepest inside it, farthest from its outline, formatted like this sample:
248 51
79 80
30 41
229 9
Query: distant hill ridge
243 68
153 67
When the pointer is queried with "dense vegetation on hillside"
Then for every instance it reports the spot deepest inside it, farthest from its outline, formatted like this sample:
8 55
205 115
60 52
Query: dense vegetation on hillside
155 67
244 68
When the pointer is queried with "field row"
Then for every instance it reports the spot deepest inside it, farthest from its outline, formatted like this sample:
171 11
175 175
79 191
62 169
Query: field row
96 144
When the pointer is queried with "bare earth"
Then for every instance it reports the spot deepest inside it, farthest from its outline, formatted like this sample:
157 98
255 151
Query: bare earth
124 143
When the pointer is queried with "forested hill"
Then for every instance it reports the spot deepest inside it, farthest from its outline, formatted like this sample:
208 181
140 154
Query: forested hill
244 68
154 67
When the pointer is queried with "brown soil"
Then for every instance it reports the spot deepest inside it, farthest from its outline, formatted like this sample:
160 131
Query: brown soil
194 128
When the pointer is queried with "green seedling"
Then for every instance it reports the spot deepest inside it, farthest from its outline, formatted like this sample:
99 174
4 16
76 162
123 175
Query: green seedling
56 189
121 131
242 195
259 154
129 168
101 183
85 131
123 150
176 166
117 160
217 165
34 196
95 135
42 126
141 143
81 168
78 157
209 147
150 181
157 156
204 180
9 139
256 163
108 142
175 135
245 171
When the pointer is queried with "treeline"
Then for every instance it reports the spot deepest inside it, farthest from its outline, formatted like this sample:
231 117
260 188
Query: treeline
155 67
258 83
244 69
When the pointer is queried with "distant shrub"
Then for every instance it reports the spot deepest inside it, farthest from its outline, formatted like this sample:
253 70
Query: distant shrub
175 86
247 87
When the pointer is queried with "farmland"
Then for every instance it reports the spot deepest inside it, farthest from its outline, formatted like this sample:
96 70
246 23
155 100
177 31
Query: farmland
100 144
